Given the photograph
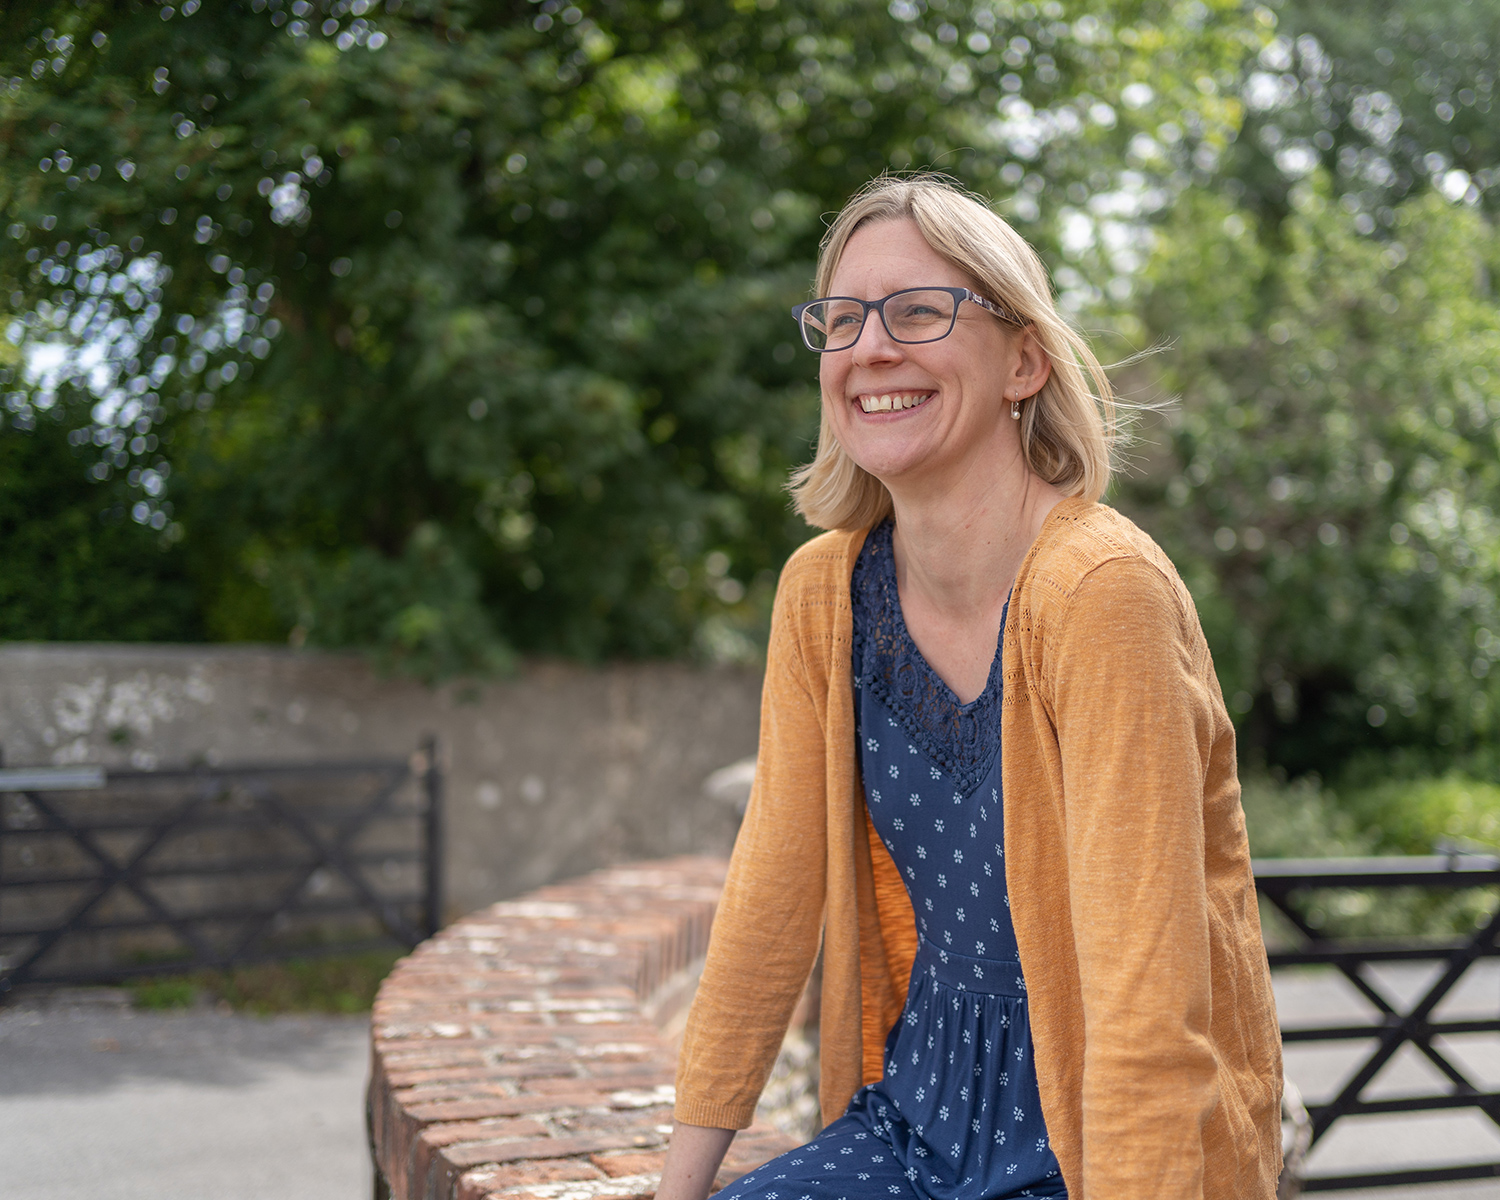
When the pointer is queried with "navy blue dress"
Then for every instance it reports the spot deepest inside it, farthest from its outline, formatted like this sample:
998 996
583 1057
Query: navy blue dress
957 1115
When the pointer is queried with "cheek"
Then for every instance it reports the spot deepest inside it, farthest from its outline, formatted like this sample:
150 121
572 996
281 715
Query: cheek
830 377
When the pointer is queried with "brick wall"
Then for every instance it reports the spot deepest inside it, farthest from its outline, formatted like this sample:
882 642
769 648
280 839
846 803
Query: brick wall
527 1050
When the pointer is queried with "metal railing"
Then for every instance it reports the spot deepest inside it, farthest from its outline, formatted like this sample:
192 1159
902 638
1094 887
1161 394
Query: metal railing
1285 883
110 874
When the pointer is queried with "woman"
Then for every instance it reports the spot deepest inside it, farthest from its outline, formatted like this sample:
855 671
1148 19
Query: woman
1043 970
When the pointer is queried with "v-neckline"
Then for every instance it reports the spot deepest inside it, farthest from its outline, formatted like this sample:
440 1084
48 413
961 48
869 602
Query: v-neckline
994 681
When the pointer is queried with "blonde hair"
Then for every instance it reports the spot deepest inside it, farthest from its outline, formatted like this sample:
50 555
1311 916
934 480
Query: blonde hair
1068 429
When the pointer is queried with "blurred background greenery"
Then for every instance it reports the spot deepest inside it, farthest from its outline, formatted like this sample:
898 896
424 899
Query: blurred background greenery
454 331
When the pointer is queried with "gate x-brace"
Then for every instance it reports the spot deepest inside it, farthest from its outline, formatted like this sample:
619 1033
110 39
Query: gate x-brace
1278 880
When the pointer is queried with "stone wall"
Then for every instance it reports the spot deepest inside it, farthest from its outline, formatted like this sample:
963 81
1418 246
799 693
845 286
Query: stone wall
551 773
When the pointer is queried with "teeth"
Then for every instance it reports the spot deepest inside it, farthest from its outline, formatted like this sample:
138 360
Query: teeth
893 401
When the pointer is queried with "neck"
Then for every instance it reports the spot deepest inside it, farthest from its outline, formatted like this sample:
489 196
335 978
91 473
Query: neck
961 545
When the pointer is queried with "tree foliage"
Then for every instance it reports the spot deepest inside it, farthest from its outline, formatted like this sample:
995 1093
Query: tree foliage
74 565
452 330
1330 480
1388 98
1331 476
459 328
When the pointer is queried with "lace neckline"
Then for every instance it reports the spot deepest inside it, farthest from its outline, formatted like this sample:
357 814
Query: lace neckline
963 739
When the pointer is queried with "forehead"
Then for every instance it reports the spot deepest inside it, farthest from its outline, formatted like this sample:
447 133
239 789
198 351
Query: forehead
886 256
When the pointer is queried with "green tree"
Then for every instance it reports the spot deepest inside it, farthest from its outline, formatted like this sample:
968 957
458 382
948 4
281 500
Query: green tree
1389 98
1326 296
454 328
76 565
1330 482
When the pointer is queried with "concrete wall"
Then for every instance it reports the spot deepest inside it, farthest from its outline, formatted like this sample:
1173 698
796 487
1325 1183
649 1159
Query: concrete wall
552 773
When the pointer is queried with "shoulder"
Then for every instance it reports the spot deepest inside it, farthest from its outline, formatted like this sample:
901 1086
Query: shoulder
1091 550
812 617
817 574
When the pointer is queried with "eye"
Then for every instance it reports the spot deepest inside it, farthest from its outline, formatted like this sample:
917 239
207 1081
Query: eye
843 320
920 308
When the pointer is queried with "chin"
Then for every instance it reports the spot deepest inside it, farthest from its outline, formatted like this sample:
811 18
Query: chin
890 464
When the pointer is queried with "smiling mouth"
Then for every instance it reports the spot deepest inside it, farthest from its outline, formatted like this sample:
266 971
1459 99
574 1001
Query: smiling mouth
894 401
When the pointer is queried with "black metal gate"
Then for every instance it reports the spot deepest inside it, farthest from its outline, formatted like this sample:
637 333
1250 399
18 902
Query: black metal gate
106 875
1286 882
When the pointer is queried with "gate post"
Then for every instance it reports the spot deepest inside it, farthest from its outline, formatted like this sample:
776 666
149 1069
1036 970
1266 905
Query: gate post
432 783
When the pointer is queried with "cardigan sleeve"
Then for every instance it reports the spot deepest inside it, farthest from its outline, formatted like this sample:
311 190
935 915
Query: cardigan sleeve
770 916
1135 722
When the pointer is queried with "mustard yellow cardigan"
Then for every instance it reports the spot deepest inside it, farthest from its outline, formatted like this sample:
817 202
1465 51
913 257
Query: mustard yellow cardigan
1156 1043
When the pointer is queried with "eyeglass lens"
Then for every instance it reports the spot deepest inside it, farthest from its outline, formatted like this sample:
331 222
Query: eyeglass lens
915 316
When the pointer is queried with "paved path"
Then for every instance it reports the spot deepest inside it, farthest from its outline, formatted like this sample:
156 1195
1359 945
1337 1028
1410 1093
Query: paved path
97 1100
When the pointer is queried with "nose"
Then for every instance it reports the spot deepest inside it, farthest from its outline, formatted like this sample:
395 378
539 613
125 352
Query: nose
875 346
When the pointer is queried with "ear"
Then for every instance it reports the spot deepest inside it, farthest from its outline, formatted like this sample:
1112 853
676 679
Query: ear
1032 366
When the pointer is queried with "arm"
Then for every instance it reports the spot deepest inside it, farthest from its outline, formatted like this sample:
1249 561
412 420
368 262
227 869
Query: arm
1135 720
770 914
693 1160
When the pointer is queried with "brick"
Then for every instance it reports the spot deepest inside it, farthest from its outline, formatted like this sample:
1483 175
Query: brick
497 1106
623 1077
471 1154
573 1083
449 1132
485 1181
553 1065
632 1187
505 1038
645 1121
630 1163
431 1158
512 1056
435 1093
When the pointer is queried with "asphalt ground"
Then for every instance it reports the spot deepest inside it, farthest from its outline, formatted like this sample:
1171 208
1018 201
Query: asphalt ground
98 1100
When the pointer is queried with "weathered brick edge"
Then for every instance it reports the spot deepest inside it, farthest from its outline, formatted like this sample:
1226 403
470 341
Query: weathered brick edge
515 1055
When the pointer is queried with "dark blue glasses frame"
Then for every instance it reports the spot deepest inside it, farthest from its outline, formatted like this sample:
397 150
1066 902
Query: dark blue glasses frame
959 294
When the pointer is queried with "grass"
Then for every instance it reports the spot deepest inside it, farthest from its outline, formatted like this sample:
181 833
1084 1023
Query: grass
1413 816
1305 819
336 984
1301 819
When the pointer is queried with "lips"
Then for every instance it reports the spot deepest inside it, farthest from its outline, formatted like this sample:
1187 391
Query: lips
893 401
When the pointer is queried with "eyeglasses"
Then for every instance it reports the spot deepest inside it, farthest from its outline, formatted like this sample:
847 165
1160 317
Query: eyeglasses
910 316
